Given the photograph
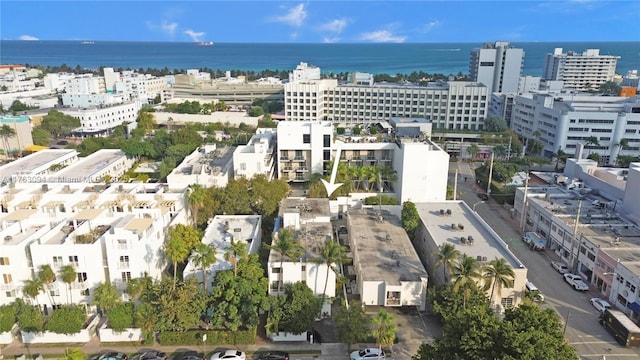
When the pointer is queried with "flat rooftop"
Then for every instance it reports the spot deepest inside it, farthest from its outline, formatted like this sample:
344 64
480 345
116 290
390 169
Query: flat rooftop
85 169
308 208
486 243
30 163
16 237
212 160
382 248
312 237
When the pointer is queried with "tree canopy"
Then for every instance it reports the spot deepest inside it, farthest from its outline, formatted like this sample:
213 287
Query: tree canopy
59 124
410 218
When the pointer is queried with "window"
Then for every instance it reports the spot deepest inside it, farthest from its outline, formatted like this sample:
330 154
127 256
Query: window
275 270
10 294
326 140
57 261
306 138
7 278
73 260
243 166
82 277
506 302
4 261
126 276
84 292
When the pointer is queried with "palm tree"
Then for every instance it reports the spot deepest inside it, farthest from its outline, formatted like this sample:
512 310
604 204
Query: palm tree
74 354
384 329
32 289
236 251
6 132
473 150
195 198
500 151
203 256
622 144
68 275
498 274
388 176
105 297
591 140
466 272
447 257
176 251
48 277
286 244
135 287
331 253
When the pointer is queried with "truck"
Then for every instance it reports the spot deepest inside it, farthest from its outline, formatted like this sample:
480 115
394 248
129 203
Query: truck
534 241
623 329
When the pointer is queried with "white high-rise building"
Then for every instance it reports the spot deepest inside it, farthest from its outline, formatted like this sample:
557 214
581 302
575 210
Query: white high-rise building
304 72
586 71
497 66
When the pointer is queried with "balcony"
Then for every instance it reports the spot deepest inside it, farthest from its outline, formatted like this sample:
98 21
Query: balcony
299 158
393 302
79 285
287 169
7 286
123 265
284 158
302 169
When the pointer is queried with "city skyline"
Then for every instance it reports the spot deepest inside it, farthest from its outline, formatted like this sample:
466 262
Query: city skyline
321 21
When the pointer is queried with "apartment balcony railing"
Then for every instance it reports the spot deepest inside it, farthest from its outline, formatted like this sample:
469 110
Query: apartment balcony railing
284 158
78 285
7 286
299 158
393 302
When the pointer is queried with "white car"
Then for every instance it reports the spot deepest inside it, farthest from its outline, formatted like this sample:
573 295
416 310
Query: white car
576 282
368 353
229 354
561 268
599 304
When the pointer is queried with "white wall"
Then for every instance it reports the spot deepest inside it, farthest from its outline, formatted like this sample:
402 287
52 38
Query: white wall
128 335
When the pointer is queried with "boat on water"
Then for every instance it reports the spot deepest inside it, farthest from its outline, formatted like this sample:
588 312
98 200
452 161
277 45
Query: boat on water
205 43
87 42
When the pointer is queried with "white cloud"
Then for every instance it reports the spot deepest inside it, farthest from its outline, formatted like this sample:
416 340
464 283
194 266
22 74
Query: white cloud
169 28
336 25
431 25
195 36
28 38
382 36
330 40
294 17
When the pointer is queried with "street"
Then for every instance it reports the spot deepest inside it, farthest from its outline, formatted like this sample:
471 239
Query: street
582 331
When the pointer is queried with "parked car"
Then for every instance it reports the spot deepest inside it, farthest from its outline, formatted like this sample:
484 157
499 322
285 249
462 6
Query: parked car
560 267
229 354
600 304
483 196
190 355
112 355
368 353
576 282
533 291
150 355
274 355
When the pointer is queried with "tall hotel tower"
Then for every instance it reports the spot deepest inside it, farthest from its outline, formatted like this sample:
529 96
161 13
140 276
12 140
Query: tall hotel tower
497 66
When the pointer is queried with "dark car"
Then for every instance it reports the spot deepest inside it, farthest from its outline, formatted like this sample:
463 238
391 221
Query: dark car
112 355
274 355
483 196
150 355
63 142
190 355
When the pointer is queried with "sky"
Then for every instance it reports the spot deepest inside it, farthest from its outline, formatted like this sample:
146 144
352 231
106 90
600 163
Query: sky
322 21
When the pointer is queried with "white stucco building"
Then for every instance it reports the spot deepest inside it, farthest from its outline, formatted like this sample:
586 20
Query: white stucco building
93 168
471 236
387 268
85 84
208 166
34 167
580 71
101 119
497 66
564 121
309 220
107 233
21 125
305 148
258 156
221 232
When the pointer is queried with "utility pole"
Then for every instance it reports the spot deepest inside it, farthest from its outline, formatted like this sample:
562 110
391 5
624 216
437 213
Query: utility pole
524 203
455 185
490 175
573 257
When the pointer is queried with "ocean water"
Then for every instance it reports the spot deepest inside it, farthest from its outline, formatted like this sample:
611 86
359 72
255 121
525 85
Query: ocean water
445 58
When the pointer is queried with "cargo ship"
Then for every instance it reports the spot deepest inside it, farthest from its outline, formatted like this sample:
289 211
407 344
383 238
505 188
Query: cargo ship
205 43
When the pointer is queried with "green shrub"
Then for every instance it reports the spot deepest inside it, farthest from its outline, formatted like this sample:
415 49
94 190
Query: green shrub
121 316
30 319
340 131
384 199
69 319
7 317
214 337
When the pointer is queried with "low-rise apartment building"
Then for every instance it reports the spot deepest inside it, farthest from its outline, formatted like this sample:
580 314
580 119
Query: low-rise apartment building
258 156
455 223
222 231
208 166
34 167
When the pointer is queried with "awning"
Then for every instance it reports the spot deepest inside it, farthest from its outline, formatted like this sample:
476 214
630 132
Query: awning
34 148
635 306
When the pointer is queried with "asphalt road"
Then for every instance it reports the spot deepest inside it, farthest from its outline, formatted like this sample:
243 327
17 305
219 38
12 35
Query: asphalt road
582 330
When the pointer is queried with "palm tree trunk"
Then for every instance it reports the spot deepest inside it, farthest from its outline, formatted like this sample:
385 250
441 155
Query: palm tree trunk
204 280
324 292
280 276
493 284
70 294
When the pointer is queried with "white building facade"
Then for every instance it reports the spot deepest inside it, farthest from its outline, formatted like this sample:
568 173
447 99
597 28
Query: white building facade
101 119
257 157
497 66
580 71
207 166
